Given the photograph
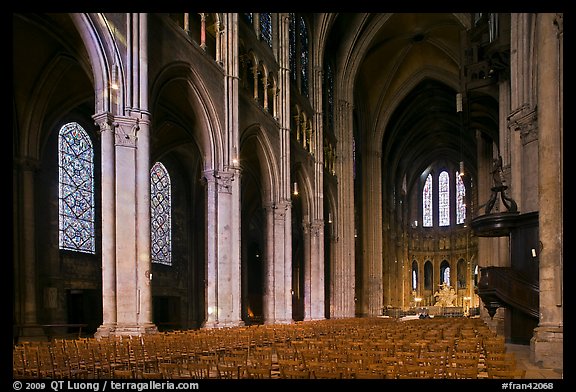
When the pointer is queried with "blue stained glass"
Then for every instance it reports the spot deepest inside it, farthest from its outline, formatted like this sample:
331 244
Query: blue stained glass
427 202
292 44
330 94
266 27
304 55
76 189
460 200
161 215
444 199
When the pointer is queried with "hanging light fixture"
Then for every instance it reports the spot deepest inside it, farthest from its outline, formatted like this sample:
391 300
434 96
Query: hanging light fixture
459 109
329 217
295 189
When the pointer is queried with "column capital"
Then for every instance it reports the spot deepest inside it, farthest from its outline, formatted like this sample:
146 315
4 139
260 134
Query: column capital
525 120
317 227
222 179
104 121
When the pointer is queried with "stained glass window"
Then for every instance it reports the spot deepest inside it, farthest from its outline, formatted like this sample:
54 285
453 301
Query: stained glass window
292 44
161 215
445 273
266 27
427 202
460 200
76 189
248 16
414 276
304 55
330 94
444 199
353 157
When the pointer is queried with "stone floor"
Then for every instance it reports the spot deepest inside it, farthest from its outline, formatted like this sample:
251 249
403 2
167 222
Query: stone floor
533 371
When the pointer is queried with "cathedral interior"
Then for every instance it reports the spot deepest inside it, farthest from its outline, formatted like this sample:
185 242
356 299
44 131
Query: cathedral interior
206 170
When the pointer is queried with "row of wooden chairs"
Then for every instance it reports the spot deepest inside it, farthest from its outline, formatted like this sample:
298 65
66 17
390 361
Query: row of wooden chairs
356 348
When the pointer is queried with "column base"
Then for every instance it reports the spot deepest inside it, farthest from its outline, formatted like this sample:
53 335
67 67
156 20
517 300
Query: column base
223 324
279 321
547 347
108 330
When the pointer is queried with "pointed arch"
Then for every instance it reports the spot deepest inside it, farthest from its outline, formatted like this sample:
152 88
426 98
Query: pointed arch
204 125
267 159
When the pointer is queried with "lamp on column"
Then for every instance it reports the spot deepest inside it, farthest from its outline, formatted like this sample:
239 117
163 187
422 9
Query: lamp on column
295 189
114 78
235 157
329 217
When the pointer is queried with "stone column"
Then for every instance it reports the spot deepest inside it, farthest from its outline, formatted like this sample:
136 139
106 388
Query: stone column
283 216
268 304
282 264
28 280
108 175
143 230
126 201
307 265
211 287
224 277
372 236
547 343
314 309
343 288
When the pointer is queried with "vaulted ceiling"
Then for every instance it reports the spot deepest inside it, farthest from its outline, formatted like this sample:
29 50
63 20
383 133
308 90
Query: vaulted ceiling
406 70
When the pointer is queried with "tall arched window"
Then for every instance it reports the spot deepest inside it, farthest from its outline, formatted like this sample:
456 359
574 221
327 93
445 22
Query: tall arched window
304 55
428 271
329 88
161 215
266 27
299 51
444 199
292 44
461 272
414 275
460 200
76 189
445 273
427 202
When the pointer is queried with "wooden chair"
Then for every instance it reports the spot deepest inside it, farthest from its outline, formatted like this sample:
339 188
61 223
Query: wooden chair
123 374
368 374
294 373
500 357
500 364
414 371
507 374
257 372
152 375
198 370
225 371
494 345
294 364
171 370
464 372
321 373
18 365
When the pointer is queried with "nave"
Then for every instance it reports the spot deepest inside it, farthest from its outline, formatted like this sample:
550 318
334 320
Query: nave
357 348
